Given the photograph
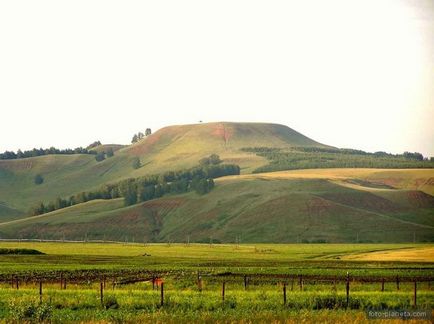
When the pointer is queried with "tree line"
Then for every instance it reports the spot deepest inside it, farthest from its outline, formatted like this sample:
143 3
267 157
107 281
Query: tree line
137 137
99 156
316 158
302 160
312 149
11 155
135 190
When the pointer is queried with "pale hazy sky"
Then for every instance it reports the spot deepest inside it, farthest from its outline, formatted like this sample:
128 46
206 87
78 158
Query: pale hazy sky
356 74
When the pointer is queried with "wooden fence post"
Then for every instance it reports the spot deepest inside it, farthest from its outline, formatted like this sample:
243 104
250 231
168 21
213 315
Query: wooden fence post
153 282
415 294
223 290
17 282
64 283
40 291
397 283
348 289
284 293
245 282
199 283
292 284
101 292
162 294
382 284
300 282
61 281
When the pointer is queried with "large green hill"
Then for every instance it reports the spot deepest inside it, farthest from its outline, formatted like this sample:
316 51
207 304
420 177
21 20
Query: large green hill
333 205
171 148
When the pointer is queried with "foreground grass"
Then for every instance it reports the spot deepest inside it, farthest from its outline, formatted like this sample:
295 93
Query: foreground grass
262 301
139 303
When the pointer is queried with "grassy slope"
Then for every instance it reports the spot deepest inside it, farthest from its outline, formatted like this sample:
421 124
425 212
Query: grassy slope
106 147
280 207
7 213
171 148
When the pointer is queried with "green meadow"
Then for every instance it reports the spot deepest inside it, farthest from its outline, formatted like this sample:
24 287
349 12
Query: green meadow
179 265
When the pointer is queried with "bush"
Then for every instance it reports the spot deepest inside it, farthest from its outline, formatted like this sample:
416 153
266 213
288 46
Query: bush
100 156
20 251
136 163
38 179
109 152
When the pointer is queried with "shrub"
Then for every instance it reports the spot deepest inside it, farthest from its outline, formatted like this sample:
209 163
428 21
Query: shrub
100 156
20 251
136 163
38 179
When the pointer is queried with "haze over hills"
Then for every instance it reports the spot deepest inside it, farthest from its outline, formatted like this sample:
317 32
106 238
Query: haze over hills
320 205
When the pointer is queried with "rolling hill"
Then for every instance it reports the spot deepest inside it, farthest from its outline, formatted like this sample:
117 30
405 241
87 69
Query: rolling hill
169 149
317 205
293 206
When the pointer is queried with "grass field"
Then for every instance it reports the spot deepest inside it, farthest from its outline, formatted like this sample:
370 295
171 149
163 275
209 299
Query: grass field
330 205
409 179
266 258
423 254
186 302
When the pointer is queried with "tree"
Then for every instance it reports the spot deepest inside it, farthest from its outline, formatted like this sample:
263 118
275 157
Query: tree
114 193
81 198
50 207
148 132
136 163
211 184
213 159
140 135
146 193
413 156
180 186
94 144
100 156
135 139
60 203
128 189
38 209
159 191
109 152
39 179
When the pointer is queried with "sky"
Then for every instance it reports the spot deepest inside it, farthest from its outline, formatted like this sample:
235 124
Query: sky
352 74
